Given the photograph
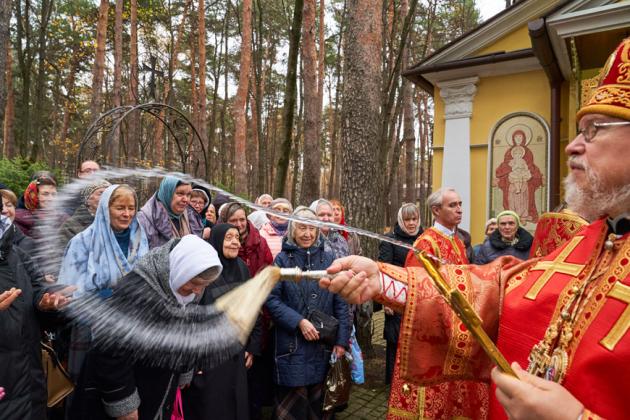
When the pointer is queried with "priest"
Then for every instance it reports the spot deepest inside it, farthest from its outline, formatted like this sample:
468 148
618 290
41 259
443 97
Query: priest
561 320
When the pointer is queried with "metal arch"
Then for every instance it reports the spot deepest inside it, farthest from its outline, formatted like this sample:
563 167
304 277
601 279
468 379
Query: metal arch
180 129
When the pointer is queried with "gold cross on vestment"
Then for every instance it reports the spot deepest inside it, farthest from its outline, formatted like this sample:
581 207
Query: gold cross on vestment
621 292
559 265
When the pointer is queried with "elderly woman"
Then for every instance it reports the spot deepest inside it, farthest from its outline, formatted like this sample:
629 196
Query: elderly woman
301 360
254 249
83 216
339 217
96 259
491 226
259 217
274 230
9 203
38 196
406 229
116 382
222 392
508 239
333 240
167 215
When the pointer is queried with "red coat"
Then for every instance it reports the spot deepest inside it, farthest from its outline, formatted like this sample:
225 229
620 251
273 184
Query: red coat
255 251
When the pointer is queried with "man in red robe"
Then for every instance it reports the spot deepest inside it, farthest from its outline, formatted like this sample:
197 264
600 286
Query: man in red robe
441 240
406 399
565 316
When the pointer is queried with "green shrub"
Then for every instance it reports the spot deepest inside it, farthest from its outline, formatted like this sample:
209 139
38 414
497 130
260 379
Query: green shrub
16 173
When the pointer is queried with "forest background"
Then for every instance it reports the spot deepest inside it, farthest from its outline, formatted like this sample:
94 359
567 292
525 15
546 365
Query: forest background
297 98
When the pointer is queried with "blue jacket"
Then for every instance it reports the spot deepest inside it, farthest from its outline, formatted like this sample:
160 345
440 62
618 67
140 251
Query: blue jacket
493 247
299 362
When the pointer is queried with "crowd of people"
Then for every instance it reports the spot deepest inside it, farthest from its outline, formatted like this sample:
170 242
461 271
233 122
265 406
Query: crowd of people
112 241
556 302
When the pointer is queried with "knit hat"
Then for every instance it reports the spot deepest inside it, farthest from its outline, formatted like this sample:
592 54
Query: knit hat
509 213
281 200
91 188
612 96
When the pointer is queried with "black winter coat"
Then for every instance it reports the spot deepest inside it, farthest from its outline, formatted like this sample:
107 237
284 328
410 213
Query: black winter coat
21 371
110 377
221 392
494 247
396 255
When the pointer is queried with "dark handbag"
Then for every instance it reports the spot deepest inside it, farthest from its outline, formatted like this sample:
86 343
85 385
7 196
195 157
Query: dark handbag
326 325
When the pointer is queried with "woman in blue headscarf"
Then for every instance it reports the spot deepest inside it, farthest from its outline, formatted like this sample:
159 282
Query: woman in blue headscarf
167 215
98 257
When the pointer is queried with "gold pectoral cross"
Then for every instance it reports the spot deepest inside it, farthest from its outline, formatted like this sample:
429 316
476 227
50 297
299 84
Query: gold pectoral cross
559 265
622 292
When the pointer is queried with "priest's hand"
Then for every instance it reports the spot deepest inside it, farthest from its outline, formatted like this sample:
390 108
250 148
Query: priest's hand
357 279
7 297
533 397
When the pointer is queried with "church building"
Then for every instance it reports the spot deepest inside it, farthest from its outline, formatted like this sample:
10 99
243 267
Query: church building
505 97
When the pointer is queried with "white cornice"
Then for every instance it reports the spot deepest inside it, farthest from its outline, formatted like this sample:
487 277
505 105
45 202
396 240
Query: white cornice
486 70
486 35
566 24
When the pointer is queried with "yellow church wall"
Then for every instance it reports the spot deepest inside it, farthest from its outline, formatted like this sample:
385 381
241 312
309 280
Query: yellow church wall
496 97
515 40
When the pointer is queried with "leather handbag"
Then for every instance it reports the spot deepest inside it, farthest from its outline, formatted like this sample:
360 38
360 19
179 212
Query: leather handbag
58 381
326 325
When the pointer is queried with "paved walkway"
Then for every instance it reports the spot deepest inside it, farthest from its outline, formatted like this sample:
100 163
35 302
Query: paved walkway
369 401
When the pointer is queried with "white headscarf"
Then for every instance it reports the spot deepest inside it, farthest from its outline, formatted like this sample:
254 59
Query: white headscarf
191 256
401 221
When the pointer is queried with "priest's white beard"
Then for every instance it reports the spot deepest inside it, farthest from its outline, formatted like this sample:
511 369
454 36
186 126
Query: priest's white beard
594 200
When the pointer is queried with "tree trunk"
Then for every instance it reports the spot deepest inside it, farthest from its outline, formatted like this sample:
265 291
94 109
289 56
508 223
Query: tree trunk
8 139
240 101
335 141
5 17
361 128
311 157
257 105
409 138
68 107
289 101
40 89
216 76
117 93
224 147
98 69
133 151
202 93
25 62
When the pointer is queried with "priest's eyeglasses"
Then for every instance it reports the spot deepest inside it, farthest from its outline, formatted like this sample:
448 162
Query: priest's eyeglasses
590 131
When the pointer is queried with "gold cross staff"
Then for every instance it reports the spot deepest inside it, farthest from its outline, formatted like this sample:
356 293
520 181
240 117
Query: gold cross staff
465 312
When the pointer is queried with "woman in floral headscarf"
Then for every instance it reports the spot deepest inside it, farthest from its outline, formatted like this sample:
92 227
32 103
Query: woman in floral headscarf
38 196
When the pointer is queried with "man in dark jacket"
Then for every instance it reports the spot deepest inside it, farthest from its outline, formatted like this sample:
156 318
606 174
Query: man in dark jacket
509 239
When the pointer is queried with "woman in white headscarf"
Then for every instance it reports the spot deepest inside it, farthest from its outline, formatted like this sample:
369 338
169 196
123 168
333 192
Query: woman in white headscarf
406 229
136 362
